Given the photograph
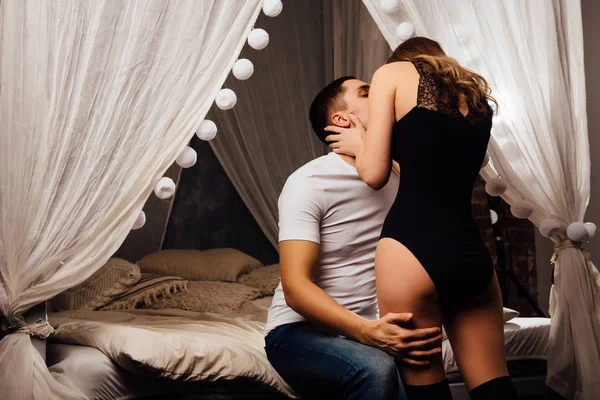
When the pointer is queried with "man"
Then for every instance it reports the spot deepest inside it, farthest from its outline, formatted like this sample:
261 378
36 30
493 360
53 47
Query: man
323 332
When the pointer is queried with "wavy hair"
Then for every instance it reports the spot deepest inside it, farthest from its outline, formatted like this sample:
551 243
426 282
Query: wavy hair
455 80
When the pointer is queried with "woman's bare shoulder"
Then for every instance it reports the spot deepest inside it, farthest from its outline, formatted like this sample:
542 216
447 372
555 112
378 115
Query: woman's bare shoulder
398 72
397 68
403 80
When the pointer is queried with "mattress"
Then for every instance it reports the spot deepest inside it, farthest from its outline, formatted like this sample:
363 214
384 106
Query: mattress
95 374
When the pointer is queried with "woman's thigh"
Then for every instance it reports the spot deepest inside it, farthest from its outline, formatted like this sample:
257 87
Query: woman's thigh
403 285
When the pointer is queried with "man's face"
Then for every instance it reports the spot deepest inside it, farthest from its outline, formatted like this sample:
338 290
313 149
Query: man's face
357 99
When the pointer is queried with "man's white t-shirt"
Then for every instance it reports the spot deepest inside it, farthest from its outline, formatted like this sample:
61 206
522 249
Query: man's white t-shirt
326 202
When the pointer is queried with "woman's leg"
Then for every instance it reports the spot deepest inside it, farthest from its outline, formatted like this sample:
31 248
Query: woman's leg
476 333
403 285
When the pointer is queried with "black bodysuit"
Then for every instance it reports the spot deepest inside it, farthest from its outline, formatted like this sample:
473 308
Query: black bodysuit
440 153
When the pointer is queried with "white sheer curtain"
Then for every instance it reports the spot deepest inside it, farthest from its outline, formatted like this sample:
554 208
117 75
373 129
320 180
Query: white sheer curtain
359 48
97 100
268 135
531 52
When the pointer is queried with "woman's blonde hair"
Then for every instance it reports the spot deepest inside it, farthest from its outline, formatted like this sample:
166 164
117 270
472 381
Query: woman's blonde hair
455 80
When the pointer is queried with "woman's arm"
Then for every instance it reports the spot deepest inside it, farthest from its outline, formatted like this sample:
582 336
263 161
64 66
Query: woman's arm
374 162
393 94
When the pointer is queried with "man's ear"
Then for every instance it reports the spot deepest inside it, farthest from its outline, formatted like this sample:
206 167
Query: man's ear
341 120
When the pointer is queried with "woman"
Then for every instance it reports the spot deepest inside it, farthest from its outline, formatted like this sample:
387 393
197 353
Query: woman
432 116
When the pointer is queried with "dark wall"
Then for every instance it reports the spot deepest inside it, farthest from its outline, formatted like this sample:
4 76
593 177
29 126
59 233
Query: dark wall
208 212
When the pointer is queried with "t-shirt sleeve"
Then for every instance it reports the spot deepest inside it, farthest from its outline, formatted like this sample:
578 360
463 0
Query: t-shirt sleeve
301 206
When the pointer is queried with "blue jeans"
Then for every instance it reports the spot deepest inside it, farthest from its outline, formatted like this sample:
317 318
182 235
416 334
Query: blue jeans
318 364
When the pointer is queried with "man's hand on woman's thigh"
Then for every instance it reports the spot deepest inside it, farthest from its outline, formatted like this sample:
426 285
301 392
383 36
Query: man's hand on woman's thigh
393 335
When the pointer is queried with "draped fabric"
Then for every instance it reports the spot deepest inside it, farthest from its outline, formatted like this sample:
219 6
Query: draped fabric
531 53
267 136
359 48
97 100
271 117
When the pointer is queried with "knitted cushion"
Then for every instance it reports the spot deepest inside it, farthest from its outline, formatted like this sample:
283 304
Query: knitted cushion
264 279
114 278
147 291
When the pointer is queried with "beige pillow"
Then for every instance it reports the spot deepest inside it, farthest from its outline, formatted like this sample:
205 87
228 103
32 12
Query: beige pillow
507 315
264 279
200 265
112 279
206 296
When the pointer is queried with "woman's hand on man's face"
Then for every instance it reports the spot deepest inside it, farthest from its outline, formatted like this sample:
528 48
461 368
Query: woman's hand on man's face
348 141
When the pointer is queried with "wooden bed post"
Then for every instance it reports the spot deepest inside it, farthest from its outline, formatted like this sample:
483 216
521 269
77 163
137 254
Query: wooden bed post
35 314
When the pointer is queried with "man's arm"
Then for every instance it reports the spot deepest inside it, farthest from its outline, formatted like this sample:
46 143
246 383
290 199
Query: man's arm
298 259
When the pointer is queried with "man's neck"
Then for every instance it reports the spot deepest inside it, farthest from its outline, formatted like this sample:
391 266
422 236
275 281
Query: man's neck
348 159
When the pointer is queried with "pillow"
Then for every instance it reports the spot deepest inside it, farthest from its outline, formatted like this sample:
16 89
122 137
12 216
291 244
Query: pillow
264 279
206 296
200 265
148 290
112 279
507 315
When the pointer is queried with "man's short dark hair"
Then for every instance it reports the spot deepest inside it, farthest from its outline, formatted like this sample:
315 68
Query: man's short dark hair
328 101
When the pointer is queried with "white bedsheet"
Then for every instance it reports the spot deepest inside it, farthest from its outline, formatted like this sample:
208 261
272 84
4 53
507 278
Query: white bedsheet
173 344
524 338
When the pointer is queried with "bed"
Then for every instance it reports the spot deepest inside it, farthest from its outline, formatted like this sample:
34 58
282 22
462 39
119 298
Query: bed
74 359
189 325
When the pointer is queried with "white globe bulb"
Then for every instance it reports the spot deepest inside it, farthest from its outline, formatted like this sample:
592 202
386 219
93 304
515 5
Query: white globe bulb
226 99
390 6
591 229
187 158
522 209
405 31
549 227
577 231
139 221
494 216
272 8
258 39
496 187
243 69
207 130
165 188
